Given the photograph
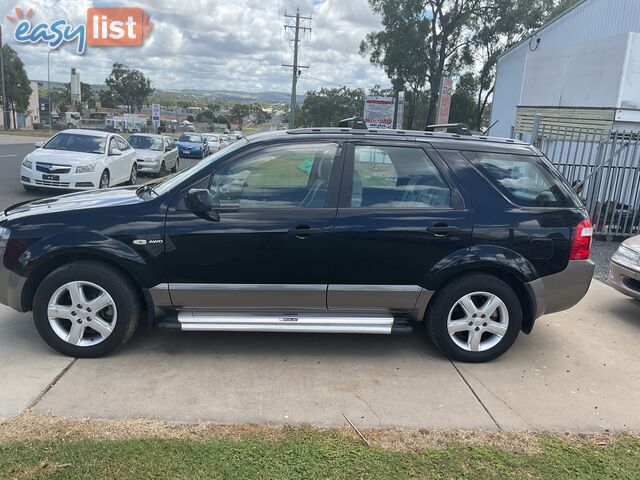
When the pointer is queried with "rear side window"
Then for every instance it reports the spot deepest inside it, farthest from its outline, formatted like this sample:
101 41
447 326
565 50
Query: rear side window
525 180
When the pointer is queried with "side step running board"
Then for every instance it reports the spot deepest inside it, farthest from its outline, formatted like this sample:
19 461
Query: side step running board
210 322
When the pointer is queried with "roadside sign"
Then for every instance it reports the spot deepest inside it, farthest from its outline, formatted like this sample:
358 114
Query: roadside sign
155 115
444 102
378 112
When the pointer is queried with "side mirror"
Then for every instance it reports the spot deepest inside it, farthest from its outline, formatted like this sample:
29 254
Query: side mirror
116 152
200 200
38 144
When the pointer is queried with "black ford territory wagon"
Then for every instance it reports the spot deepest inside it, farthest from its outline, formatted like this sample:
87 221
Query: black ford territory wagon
330 230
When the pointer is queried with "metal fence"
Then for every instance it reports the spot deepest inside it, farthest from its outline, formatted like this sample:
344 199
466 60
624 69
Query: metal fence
604 167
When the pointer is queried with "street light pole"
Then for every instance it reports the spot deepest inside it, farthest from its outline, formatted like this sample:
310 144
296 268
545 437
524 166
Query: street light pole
49 82
4 95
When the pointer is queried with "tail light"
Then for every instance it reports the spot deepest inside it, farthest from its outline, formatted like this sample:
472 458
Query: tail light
581 245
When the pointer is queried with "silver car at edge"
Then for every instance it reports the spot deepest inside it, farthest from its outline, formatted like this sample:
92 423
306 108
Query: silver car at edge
155 154
624 274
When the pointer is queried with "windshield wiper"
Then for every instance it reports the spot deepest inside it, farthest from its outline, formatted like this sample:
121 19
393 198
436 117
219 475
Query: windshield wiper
147 188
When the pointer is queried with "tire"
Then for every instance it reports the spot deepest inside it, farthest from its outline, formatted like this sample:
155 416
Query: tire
133 176
121 319
175 166
104 180
163 170
473 339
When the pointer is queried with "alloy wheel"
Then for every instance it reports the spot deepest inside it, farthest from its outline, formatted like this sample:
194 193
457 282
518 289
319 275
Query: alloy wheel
82 313
478 321
104 180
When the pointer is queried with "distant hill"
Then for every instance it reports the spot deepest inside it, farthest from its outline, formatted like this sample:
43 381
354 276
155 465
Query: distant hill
231 96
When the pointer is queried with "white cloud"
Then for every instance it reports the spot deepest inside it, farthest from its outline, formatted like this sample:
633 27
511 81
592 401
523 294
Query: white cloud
214 44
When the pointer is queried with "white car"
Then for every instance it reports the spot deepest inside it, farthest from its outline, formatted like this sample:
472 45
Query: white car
214 141
155 153
79 160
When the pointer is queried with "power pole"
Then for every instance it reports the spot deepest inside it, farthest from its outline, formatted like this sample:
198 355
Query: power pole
4 95
296 68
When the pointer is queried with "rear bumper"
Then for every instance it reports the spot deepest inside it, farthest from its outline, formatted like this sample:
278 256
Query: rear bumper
11 286
625 280
563 290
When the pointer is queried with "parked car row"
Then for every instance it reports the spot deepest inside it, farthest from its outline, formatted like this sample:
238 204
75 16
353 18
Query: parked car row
79 159
200 145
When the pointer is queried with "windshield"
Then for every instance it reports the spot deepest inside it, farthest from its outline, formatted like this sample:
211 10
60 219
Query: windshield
73 142
165 185
212 138
191 138
146 143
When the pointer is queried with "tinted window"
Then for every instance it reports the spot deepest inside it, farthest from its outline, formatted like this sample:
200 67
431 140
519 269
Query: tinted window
397 177
76 143
145 143
525 180
191 138
291 176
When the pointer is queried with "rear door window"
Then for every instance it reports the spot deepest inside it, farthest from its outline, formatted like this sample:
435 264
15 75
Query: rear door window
525 180
397 177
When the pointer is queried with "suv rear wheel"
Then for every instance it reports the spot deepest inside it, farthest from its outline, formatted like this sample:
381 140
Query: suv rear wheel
475 318
85 309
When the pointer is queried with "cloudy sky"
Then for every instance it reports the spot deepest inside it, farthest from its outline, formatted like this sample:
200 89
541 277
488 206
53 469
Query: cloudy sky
214 44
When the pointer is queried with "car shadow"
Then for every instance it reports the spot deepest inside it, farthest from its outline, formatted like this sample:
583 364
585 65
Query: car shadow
282 344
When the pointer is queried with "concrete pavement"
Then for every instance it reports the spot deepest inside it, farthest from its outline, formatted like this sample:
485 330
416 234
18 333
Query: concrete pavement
578 372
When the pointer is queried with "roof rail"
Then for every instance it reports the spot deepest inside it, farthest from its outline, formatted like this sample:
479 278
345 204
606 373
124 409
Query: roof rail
459 128
399 133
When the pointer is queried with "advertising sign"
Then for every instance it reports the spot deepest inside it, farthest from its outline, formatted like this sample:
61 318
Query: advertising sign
444 102
378 112
155 115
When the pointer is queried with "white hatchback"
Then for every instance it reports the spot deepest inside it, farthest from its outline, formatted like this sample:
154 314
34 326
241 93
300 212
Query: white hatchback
79 160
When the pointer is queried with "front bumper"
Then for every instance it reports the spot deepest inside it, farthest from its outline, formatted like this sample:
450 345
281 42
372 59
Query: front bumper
148 166
563 290
625 279
11 286
65 181
191 153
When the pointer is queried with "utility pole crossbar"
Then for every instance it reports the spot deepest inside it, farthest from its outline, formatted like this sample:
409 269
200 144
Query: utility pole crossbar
296 28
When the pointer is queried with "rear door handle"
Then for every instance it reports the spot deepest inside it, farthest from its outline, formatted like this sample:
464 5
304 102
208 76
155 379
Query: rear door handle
305 231
442 229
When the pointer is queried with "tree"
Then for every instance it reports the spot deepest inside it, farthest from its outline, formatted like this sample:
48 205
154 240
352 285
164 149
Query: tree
463 102
17 86
238 112
130 86
501 27
401 48
326 107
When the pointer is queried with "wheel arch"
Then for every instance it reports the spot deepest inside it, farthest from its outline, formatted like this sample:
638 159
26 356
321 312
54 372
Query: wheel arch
501 263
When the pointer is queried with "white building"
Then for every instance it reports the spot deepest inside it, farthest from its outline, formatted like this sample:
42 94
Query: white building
582 69
28 119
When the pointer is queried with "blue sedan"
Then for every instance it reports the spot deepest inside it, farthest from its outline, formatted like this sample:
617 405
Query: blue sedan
192 145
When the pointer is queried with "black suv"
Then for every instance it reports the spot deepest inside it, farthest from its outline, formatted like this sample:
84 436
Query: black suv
310 230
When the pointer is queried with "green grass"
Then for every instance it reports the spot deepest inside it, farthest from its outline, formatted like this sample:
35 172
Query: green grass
305 454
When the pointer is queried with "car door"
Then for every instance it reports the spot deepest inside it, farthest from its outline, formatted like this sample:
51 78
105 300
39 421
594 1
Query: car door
399 214
267 245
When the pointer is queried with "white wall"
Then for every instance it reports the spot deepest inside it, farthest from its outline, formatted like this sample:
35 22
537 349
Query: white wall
593 19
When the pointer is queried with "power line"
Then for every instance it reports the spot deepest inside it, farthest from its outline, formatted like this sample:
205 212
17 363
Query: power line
296 69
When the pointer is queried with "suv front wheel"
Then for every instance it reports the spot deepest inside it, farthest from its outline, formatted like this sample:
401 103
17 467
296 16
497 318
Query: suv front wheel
475 318
85 309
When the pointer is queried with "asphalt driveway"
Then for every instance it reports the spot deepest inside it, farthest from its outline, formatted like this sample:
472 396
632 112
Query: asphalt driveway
577 372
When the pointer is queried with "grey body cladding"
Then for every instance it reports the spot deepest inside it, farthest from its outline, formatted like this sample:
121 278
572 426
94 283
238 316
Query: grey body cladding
408 301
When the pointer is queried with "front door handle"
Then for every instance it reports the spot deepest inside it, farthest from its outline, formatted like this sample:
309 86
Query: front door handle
305 231
442 229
